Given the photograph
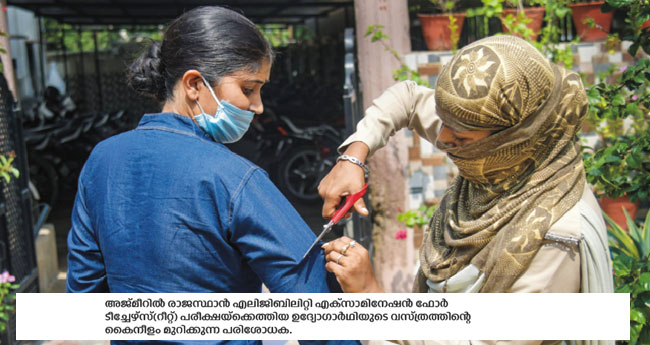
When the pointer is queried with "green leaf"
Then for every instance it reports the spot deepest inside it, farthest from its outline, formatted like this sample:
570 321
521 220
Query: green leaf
621 238
611 159
637 316
644 281
620 266
560 12
618 100
646 235
625 288
4 316
635 331
6 176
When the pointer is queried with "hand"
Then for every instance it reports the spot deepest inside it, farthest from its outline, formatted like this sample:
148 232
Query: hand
345 178
350 262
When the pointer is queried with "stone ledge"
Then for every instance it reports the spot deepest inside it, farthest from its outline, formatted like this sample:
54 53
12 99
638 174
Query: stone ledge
46 257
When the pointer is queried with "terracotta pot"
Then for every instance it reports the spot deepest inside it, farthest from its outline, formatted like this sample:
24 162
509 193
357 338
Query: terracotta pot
614 209
584 10
536 14
435 28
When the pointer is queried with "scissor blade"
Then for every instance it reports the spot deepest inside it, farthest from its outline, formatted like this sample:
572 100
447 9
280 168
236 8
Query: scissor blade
326 228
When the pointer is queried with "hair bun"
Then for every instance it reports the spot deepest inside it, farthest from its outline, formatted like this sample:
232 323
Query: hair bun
145 74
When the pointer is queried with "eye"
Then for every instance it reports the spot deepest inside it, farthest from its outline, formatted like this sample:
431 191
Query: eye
461 140
248 91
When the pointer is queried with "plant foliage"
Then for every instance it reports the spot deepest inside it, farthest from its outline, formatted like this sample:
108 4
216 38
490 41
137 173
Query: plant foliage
631 263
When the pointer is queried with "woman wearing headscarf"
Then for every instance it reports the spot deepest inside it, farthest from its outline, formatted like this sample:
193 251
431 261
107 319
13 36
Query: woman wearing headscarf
520 216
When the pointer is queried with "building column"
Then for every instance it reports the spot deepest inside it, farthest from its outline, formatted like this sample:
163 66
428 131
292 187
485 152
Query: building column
393 258
7 64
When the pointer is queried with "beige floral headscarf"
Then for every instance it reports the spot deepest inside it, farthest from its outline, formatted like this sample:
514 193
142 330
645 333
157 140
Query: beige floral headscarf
516 183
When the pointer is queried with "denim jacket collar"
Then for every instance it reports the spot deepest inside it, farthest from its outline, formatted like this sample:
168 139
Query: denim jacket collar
172 122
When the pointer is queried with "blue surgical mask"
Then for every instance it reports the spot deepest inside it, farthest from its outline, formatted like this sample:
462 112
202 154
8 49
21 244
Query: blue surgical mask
228 125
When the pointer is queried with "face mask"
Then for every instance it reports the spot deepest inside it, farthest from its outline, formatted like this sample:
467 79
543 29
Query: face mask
505 167
228 125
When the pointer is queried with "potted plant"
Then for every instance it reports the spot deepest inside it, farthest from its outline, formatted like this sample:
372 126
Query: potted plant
631 263
636 20
591 23
441 31
619 168
523 18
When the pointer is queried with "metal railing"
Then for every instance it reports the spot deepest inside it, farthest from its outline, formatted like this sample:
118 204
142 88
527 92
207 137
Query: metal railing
16 233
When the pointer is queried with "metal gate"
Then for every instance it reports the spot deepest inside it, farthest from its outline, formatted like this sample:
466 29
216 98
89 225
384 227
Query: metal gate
16 234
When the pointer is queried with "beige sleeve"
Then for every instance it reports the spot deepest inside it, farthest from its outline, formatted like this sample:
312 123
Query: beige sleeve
404 104
556 266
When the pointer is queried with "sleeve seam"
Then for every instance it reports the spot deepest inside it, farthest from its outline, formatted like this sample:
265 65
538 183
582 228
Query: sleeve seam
247 176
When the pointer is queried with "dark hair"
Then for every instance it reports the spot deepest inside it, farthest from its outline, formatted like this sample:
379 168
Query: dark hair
212 40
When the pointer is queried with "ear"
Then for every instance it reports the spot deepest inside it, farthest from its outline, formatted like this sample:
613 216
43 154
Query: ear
191 83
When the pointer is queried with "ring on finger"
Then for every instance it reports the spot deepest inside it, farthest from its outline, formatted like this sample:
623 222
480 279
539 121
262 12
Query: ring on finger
345 249
339 258
353 244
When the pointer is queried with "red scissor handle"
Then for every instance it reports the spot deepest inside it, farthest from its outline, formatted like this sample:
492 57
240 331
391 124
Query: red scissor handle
349 201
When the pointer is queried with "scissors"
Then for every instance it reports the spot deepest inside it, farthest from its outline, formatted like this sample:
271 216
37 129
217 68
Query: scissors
338 215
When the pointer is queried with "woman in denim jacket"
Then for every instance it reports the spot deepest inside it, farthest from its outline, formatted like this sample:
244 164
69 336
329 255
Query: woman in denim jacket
167 207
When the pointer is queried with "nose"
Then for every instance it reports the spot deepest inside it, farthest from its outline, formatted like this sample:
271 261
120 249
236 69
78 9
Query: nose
257 106
446 136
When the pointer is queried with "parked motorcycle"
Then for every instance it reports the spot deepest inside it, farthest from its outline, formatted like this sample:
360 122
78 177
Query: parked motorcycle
295 158
304 164
59 139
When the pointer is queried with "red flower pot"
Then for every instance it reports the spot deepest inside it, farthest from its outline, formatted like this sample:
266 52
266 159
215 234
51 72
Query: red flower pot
582 11
435 28
536 14
614 209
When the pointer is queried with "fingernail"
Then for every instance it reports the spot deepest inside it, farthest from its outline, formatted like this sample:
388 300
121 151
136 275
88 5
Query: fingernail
364 210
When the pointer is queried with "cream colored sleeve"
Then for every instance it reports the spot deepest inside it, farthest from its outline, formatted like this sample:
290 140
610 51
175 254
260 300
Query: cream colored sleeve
404 104
556 266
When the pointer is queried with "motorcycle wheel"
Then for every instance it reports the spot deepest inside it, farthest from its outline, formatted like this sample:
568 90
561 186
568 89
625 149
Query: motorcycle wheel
299 173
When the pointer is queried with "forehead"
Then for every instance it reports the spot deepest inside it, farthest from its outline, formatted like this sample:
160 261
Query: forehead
262 74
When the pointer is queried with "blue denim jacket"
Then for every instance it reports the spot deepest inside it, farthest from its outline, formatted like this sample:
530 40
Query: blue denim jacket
163 208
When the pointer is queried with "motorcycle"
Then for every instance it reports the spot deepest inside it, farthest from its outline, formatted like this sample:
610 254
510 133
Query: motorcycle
306 161
295 158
